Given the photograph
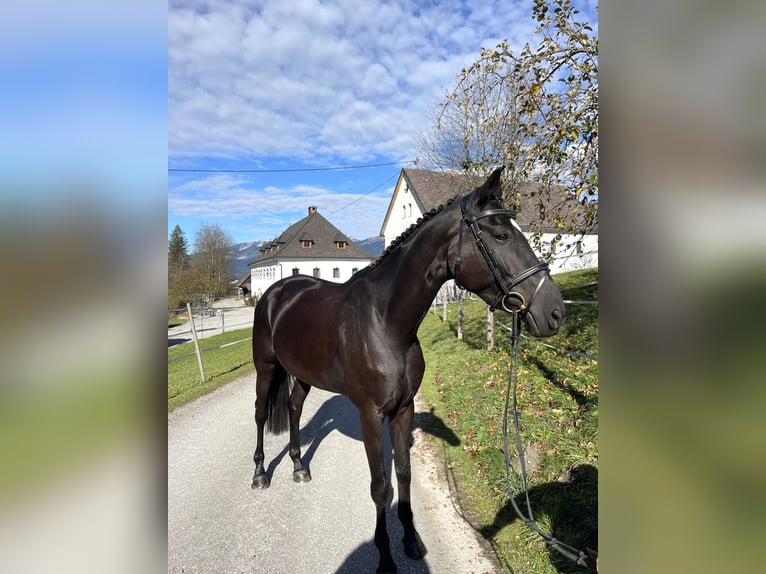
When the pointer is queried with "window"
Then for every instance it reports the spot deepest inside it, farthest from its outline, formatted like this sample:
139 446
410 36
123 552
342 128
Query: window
296 271
316 272
341 244
336 273
306 243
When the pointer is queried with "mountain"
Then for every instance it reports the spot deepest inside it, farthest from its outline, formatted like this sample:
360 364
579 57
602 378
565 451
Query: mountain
372 245
244 253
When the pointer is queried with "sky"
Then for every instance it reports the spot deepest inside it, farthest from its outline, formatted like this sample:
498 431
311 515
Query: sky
305 85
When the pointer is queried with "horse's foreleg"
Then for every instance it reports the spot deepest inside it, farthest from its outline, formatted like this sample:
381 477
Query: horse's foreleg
372 434
400 428
300 390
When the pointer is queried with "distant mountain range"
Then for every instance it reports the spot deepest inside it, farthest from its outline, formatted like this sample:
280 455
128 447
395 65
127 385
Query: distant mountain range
245 253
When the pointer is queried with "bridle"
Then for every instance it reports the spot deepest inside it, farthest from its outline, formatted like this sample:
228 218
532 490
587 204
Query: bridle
504 296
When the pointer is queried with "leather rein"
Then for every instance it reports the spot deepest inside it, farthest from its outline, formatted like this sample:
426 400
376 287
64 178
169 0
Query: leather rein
503 300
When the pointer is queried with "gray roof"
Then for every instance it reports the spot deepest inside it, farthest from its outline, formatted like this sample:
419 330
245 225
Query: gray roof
324 238
432 189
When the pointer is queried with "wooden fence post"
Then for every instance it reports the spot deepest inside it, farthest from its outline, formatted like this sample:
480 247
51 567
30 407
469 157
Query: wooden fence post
490 329
196 344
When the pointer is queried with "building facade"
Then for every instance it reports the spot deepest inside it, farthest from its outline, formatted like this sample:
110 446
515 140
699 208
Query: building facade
312 246
418 191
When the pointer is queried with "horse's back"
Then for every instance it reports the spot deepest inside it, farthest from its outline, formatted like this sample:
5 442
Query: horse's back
288 295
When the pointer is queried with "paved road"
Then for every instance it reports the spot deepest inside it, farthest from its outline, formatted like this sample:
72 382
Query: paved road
218 524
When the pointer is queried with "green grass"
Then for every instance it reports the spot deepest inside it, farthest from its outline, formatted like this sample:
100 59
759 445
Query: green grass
175 319
221 366
558 399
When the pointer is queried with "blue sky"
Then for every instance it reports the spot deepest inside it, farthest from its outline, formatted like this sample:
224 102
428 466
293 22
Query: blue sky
291 84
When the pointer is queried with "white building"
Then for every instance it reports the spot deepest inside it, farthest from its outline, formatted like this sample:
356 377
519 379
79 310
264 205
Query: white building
312 246
419 191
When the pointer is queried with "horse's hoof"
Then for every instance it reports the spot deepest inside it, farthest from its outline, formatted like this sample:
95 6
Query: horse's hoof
260 482
415 549
301 476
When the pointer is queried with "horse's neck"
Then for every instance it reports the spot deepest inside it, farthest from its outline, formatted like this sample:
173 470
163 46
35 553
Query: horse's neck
411 277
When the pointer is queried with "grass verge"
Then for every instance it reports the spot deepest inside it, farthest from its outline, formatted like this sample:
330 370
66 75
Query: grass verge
221 365
465 385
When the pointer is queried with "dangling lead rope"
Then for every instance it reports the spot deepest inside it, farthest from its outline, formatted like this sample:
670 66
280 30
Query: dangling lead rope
573 554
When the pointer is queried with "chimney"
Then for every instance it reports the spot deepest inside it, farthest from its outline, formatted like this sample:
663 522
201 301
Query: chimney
312 209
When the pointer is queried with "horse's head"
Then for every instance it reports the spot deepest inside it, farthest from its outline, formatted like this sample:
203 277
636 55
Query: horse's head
494 260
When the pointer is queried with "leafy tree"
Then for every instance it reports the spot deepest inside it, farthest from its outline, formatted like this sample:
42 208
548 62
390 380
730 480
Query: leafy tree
536 112
178 251
188 285
212 257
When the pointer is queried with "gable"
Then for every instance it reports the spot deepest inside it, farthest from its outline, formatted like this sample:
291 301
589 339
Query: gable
313 237
431 189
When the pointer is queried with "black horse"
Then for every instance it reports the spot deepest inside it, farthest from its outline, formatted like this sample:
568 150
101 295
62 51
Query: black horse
359 338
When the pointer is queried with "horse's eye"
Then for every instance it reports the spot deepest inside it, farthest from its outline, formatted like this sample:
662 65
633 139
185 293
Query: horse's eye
501 237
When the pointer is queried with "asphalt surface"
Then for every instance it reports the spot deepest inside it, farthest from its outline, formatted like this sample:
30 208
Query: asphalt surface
218 524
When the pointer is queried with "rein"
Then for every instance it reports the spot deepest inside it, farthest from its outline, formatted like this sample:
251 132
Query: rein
578 556
502 300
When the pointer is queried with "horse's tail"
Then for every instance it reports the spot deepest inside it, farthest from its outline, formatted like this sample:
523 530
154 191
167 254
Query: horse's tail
278 405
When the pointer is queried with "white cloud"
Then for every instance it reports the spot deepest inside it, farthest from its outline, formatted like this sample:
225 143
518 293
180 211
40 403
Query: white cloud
306 82
314 80
270 209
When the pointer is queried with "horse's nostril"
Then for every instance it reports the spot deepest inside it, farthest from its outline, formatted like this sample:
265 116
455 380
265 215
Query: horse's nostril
557 317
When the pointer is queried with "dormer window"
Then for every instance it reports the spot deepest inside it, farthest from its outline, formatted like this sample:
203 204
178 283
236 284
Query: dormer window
341 244
306 243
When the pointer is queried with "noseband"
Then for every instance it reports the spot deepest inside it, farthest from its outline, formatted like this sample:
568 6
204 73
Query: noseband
504 296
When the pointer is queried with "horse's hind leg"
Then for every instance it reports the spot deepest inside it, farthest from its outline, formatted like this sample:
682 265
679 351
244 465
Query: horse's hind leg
400 427
298 395
266 375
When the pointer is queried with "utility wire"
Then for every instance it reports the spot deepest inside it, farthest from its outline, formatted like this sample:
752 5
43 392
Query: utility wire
363 196
288 170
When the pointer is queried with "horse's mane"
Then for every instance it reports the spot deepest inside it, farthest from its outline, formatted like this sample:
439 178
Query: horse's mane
409 231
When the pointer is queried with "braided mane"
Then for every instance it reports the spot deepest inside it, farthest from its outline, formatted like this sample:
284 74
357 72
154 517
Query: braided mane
409 231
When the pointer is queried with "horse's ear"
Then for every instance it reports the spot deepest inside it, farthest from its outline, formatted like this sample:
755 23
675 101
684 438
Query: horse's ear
489 190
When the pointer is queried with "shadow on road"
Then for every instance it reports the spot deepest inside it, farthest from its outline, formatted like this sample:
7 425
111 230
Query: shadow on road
336 413
365 559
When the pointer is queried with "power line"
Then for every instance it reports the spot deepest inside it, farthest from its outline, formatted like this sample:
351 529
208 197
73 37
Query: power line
364 195
288 170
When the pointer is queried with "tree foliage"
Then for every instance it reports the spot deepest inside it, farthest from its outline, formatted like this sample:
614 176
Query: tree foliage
178 251
203 275
188 285
535 111
212 257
